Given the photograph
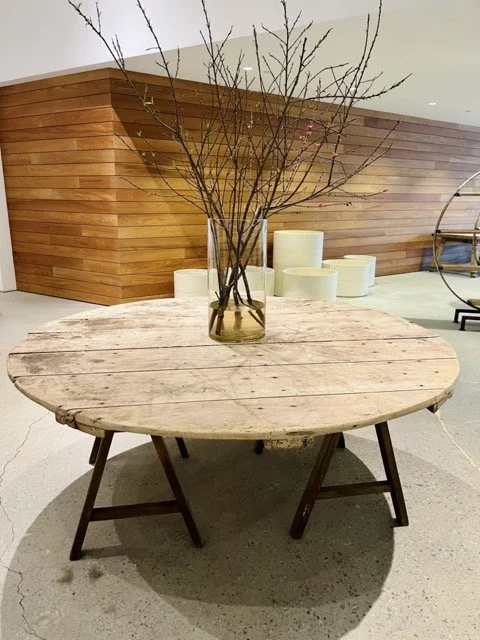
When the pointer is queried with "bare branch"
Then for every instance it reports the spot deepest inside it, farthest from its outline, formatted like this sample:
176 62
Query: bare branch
263 142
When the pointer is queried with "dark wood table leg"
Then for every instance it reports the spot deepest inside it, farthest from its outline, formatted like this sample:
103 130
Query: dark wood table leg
389 462
101 459
177 489
341 442
259 446
182 447
329 444
94 453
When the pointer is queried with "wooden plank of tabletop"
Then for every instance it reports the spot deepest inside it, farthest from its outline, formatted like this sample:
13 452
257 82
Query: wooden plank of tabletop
163 359
297 418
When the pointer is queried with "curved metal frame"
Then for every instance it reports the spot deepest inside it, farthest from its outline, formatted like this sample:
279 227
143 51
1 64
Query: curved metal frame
435 235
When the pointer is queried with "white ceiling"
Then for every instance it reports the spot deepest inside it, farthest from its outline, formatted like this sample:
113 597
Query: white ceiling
435 40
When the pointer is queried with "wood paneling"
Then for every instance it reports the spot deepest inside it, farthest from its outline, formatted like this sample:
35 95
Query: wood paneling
80 229
58 142
425 164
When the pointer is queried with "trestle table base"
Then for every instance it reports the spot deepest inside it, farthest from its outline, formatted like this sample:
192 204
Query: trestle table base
315 491
90 513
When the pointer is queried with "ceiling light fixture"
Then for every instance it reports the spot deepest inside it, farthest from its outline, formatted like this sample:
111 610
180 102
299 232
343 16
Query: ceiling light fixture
432 104
248 68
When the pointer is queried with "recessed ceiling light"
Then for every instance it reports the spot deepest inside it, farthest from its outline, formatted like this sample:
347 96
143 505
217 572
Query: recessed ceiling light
248 68
432 104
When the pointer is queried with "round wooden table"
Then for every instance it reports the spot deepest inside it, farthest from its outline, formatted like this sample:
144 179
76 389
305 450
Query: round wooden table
150 368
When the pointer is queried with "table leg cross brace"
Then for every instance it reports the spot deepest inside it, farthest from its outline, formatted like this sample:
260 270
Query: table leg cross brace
91 514
314 490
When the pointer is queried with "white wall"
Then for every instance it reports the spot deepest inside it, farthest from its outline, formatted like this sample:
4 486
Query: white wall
44 37
7 273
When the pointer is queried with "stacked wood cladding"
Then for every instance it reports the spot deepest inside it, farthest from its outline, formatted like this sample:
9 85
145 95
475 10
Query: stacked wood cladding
58 155
82 229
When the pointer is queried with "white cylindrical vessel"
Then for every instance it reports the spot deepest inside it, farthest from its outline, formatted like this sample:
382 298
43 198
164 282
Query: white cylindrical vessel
310 283
372 261
189 283
254 279
295 248
270 281
353 276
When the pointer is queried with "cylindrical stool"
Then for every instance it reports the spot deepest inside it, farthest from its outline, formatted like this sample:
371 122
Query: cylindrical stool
353 276
295 248
189 283
310 283
372 261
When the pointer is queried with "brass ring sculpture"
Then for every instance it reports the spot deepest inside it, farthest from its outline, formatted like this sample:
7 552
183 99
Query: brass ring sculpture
474 304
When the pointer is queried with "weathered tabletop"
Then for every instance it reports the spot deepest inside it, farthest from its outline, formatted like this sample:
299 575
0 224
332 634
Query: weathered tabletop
150 367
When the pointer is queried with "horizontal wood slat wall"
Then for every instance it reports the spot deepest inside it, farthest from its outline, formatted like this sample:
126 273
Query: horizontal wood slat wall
59 163
425 164
81 229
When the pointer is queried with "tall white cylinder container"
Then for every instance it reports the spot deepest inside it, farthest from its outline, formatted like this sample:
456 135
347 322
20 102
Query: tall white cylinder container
295 248
270 285
190 283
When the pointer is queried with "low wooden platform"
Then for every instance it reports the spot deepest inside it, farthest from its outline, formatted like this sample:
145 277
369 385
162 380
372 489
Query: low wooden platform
456 236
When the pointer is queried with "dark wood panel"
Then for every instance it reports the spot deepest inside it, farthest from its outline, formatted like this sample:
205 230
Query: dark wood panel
64 206
93 116
59 157
59 144
54 132
45 259
75 218
66 251
77 103
95 169
59 84
70 294
67 284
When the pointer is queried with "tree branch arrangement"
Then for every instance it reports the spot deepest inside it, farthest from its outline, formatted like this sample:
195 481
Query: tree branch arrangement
266 140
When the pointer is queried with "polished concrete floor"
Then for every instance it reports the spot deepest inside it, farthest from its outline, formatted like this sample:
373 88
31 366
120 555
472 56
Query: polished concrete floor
352 576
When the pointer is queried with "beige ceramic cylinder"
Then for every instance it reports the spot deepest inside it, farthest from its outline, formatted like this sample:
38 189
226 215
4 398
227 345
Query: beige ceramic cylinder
295 248
270 281
353 276
190 283
310 283
372 261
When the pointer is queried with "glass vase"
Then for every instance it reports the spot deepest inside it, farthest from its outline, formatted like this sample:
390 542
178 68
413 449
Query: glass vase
237 251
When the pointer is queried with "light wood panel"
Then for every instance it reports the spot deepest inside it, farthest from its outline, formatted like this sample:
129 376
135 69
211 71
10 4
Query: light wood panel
81 229
57 138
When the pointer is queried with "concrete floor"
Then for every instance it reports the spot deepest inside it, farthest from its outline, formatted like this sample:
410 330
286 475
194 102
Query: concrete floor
352 576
